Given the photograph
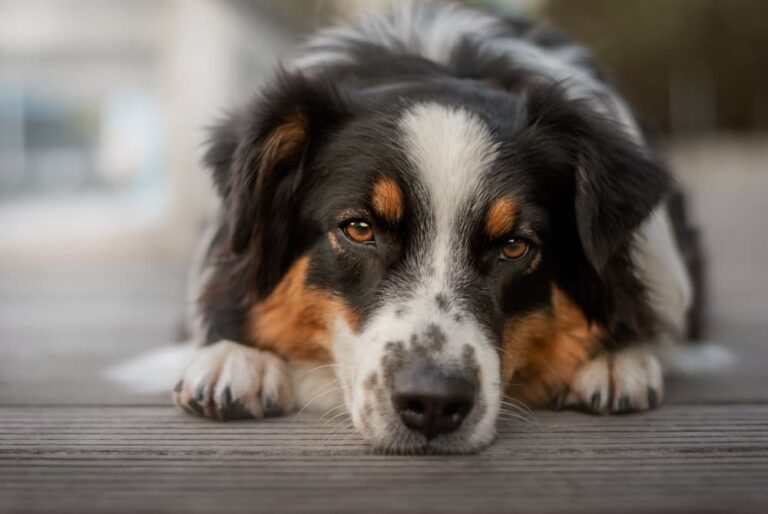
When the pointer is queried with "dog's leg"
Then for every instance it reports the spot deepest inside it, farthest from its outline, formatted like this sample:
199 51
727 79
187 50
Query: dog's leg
227 380
623 381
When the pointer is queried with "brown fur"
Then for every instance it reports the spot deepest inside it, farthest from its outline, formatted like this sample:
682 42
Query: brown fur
501 217
294 319
542 352
387 200
285 141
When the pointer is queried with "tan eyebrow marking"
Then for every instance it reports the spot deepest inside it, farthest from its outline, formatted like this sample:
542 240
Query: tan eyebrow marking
501 217
387 200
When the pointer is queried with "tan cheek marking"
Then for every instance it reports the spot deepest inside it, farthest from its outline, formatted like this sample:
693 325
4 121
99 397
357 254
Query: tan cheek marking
387 200
285 141
501 217
542 353
294 320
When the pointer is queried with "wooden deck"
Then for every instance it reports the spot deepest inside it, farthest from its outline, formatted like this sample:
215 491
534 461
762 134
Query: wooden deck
71 442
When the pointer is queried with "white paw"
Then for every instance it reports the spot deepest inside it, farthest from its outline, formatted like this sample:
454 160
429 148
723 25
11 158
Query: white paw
625 381
228 380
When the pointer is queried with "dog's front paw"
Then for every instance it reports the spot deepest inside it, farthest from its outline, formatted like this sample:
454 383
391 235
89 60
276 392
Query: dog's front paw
228 380
625 381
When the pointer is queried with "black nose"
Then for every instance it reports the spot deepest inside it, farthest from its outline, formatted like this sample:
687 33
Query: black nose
431 400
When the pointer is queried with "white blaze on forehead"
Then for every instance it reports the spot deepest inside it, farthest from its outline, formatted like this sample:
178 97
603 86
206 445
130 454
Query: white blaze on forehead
450 149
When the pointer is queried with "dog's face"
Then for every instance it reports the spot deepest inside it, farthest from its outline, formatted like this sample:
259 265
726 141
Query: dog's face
446 223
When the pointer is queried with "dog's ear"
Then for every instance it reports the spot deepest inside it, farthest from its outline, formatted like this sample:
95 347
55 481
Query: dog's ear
258 159
616 182
617 185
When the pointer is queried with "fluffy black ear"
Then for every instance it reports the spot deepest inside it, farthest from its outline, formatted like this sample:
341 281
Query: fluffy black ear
616 182
617 185
258 158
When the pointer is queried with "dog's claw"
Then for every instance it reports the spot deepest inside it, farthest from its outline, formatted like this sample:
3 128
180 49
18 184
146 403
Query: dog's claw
623 404
196 407
594 402
559 402
653 397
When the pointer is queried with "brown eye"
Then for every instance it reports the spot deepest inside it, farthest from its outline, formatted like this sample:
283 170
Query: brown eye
515 249
359 232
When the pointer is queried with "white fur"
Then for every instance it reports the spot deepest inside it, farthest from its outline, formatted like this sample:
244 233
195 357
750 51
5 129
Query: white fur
660 265
433 34
694 359
226 371
591 378
359 355
629 374
450 149
635 370
154 371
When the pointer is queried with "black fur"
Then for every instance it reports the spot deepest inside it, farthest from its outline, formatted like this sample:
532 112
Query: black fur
254 199
582 185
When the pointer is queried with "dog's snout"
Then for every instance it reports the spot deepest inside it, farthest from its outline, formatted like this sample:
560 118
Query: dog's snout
430 400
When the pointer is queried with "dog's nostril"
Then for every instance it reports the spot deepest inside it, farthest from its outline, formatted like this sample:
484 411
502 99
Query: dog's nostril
431 401
454 409
415 406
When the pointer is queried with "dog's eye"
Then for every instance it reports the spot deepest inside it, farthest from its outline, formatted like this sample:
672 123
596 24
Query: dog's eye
359 231
515 249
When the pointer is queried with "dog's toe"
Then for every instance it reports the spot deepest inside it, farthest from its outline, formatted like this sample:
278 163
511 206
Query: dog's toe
635 372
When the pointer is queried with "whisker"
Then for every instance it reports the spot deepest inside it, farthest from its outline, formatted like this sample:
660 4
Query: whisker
509 399
512 415
351 433
337 416
332 389
339 429
515 410
317 368
333 409
509 415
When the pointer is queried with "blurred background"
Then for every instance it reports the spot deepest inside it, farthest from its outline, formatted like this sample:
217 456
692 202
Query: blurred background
103 103
103 106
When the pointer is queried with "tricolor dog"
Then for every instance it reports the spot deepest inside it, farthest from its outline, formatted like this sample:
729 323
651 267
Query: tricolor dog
428 212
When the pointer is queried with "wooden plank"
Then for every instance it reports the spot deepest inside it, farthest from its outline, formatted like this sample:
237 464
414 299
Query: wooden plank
154 459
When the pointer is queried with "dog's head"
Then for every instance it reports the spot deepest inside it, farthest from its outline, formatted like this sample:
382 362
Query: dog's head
446 227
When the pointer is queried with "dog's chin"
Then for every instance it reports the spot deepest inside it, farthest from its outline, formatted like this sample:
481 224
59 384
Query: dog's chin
449 446
401 441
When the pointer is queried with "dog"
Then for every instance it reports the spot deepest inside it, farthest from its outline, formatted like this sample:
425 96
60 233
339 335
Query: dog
427 215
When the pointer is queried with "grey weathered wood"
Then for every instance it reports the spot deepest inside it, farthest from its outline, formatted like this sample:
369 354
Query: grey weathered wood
135 459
